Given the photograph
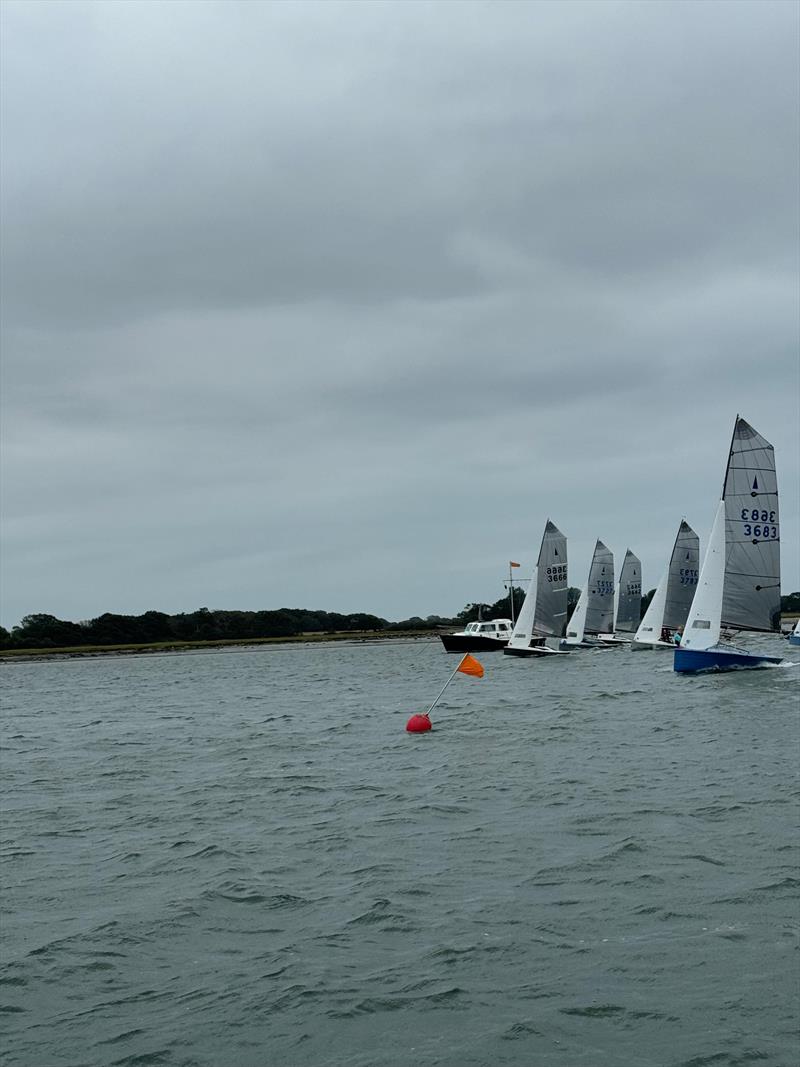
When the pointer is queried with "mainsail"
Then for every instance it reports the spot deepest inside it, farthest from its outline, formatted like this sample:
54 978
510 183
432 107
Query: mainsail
752 594
628 596
673 596
544 610
682 577
739 583
551 589
600 599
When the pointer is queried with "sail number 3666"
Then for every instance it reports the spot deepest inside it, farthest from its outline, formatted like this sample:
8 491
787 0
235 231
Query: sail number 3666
557 574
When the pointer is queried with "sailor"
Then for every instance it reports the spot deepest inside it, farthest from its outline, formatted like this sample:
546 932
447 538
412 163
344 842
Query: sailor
676 637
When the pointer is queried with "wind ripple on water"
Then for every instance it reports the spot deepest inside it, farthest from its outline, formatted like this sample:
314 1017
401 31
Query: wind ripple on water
244 858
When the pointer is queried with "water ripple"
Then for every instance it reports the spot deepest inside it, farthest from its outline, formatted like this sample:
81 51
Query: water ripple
235 859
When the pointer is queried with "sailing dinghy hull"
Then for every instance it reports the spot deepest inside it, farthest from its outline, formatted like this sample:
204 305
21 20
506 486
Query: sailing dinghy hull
719 658
613 639
589 643
534 650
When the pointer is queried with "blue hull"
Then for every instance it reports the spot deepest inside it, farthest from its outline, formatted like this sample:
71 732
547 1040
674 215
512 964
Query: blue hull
794 639
690 661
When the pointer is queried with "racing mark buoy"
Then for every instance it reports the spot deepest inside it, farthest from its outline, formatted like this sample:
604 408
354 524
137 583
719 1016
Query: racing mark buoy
417 724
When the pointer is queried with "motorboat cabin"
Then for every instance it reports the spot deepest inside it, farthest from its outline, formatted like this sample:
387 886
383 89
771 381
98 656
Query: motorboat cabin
480 637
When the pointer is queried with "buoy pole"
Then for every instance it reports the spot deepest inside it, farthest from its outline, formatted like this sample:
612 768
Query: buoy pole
449 680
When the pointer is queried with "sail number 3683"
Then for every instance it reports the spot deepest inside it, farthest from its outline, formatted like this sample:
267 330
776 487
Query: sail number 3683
758 524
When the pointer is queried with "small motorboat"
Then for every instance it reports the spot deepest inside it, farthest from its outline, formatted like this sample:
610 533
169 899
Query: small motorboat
492 636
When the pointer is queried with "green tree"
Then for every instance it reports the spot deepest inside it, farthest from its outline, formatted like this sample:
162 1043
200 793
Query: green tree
46 631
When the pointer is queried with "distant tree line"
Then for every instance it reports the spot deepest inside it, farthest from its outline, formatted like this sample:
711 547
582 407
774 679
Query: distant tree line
46 631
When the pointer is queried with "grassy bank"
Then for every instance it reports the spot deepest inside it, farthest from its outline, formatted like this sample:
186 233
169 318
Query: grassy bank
184 646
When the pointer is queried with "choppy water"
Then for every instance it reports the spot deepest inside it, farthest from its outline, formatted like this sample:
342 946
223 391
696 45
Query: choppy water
241 858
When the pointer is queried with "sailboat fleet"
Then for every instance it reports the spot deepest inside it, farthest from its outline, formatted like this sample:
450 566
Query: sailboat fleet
694 606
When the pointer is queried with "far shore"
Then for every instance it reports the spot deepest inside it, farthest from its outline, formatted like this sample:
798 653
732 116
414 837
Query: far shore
78 651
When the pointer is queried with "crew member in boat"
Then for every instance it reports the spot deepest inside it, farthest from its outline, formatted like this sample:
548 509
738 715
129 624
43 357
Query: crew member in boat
676 637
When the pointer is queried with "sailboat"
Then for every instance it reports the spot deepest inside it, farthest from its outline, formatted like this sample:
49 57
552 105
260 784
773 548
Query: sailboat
627 601
594 613
668 609
740 581
794 636
544 610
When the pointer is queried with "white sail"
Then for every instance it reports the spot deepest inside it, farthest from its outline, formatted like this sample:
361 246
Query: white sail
523 628
545 606
653 622
705 615
673 596
577 624
628 596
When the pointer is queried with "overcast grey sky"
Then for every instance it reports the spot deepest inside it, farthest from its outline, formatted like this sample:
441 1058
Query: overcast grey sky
332 305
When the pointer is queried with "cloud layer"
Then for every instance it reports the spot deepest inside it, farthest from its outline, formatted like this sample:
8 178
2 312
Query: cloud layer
332 305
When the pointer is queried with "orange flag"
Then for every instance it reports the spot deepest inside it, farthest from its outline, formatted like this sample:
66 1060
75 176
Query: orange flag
511 563
471 666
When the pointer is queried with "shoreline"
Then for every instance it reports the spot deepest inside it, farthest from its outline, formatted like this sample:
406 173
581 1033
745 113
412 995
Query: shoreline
17 655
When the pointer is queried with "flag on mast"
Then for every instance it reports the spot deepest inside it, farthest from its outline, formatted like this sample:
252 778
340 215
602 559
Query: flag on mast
469 665
511 563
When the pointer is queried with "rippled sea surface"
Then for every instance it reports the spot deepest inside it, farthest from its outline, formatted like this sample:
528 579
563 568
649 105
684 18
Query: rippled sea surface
241 858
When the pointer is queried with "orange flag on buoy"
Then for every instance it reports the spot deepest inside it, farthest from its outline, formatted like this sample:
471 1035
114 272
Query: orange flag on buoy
469 665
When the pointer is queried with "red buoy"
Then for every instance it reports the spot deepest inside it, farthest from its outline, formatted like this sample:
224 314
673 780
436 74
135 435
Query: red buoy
418 723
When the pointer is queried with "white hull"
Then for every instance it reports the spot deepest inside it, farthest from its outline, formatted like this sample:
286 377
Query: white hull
638 646
613 639
589 642
534 650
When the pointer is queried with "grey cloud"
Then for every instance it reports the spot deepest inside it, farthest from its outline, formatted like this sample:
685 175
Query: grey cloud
336 303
